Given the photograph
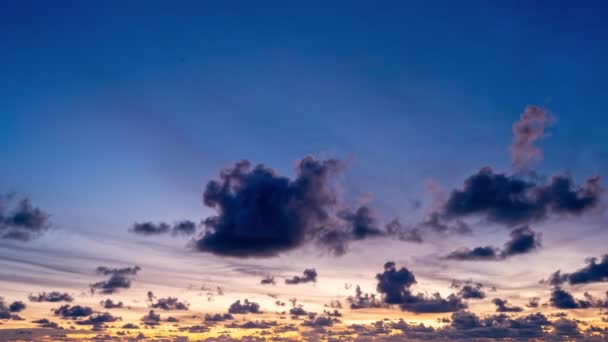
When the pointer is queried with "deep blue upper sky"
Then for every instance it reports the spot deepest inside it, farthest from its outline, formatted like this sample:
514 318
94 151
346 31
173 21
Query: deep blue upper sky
116 113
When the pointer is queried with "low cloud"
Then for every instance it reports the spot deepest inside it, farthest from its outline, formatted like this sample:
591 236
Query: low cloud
120 278
502 305
20 220
244 307
523 240
169 303
594 272
52 297
309 275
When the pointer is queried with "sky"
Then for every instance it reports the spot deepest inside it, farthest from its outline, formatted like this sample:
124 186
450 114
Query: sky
180 157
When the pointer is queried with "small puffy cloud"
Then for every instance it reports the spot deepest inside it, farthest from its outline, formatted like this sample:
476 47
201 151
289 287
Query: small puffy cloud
502 305
52 297
20 220
68 311
309 275
244 307
169 303
120 278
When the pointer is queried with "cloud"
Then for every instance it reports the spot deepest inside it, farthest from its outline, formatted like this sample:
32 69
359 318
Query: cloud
110 304
218 318
309 275
562 299
169 303
73 311
396 229
17 306
268 280
20 220
594 272
99 319
45 323
244 308
149 228
151 319
120 278
261 214
181 228
513 200
364 301
523 240
394 285
477 253
469 289
502 305
52 297
362 222
526 131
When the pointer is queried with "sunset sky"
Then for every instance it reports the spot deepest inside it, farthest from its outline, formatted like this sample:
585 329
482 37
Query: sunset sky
369 171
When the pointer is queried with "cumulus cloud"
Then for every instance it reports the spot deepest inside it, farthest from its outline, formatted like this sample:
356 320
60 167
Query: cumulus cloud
268 280
9 312
262 214
523 240
513 200
68 311
110 304
562 299
594 272
169 303
20 220
151 319
99 319
394 285
469 289
120 278
364 300
309 275
52 297
244 308
502 305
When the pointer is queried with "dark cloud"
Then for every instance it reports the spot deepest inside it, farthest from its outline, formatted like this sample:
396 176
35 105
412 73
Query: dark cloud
172 319
477 253
17 306
469 289
8 312
218 318
394 285
320 321
309 275
45 323
120 278
396 229
364 301
562 299
110 304
513 200
533 302
269 280
244 308
362 222
254 325
169 303
20 220
68 311
502 305
261 214
526 131
151 319
130 326
523 240
592 273
184 227
566 327
436 223
98 319
53 296
149 228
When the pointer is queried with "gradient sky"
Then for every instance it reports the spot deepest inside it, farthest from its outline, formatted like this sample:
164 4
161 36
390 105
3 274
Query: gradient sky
120 112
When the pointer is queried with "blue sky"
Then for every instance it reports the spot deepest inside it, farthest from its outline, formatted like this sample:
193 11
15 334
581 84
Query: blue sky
117 112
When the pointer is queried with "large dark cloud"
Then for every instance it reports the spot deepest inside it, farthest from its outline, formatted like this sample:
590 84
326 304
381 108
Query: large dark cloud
120 278
523 240
394 285
52 297
309 275
514 200
261 213
20 220
594 272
